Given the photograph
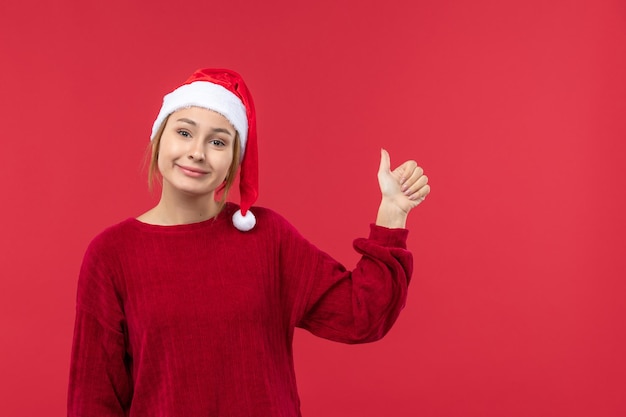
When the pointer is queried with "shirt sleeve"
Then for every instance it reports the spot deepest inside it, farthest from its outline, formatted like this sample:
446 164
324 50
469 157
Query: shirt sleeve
100 379
355 306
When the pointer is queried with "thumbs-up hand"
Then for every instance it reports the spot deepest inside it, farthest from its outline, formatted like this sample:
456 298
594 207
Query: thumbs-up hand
402 190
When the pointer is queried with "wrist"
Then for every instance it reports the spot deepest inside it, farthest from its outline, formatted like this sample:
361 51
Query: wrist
390 215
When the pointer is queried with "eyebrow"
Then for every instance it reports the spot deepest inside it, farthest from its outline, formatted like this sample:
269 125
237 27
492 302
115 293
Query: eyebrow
214 130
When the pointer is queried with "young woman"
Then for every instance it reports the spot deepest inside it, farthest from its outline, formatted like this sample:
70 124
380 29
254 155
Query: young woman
190 308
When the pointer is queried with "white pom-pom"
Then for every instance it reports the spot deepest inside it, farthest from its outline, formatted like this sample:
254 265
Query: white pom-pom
244 223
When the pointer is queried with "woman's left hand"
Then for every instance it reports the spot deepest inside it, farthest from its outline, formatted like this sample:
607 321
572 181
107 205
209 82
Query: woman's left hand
405 187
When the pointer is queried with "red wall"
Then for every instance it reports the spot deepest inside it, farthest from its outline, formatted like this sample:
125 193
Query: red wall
514 108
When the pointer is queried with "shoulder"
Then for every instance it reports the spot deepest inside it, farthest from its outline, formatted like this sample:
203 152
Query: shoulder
268 221
262 214
113 238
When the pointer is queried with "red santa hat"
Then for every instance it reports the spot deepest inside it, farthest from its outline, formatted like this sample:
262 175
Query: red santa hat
224 92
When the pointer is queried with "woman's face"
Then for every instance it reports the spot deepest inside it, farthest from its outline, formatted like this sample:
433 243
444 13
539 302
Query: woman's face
195 151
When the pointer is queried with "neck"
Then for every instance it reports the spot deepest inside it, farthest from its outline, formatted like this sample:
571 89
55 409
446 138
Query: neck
180 208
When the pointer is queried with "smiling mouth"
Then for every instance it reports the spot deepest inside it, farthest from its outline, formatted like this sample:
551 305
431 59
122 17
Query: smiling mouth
194 172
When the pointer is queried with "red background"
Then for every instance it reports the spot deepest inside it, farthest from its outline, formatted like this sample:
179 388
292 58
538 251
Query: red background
514 108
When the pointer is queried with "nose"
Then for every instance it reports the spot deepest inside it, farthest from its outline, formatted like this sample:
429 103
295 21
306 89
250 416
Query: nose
196 156
196 153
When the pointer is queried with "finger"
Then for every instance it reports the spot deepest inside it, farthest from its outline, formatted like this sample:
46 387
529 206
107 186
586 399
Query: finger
420 194
411 175
415 185
404 171
385 162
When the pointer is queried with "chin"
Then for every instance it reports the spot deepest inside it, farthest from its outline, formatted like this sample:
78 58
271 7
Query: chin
192 191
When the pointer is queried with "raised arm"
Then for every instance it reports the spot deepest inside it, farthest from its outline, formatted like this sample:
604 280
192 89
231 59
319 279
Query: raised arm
360 305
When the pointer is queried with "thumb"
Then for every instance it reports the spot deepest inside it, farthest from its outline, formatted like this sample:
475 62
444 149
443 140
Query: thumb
385 163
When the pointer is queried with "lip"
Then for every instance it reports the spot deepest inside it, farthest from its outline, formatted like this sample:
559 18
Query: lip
191 171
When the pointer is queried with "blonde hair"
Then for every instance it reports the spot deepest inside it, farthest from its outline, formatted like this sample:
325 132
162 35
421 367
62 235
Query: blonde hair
154 175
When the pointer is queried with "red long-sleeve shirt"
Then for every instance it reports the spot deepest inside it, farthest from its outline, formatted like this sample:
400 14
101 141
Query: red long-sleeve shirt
198 319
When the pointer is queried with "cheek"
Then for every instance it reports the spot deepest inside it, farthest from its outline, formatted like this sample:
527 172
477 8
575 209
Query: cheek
164 162
223 160
160 164
168 151
161 158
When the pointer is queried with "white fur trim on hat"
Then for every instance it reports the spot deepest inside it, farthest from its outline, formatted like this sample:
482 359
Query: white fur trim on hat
244 223
209 96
